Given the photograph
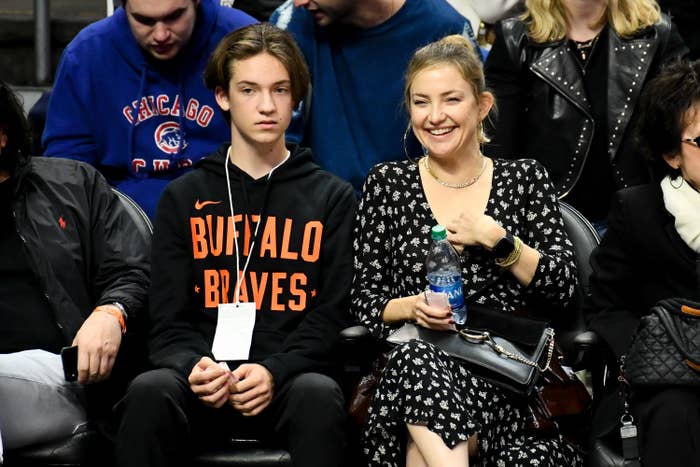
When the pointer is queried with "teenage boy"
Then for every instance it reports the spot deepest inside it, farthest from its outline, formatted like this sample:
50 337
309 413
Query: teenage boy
252 251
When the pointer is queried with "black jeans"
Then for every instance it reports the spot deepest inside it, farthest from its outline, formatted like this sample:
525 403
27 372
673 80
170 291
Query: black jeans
162 422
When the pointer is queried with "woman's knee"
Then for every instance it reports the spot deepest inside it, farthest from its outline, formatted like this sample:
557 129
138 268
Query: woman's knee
416 361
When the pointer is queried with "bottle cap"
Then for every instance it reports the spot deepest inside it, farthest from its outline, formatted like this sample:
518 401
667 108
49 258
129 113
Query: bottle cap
438 232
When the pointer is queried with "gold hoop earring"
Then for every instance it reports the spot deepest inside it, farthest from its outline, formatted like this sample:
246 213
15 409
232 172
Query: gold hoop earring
405 144
481 136
679 185
405 137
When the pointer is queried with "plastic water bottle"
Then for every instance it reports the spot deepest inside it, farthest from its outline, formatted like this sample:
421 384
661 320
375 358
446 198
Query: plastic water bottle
445 273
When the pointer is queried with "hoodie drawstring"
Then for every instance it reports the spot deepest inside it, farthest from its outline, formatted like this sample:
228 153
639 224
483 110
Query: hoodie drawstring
181 117
134 122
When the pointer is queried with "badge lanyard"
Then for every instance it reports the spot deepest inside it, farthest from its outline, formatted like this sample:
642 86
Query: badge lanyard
239 277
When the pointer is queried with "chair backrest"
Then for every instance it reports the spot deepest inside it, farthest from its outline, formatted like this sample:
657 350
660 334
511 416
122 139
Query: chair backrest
585 239
138 215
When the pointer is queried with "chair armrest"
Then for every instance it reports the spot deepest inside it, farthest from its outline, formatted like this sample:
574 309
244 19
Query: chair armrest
587 340
355 334
359 349
590 350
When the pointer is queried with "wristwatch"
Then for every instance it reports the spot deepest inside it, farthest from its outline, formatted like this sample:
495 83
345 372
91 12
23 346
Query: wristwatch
122 310
504 247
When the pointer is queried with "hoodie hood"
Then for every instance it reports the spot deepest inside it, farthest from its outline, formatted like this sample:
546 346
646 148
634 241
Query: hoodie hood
299 164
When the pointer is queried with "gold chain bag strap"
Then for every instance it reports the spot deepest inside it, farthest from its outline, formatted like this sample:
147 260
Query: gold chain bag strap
559 401
510 365
517 353
485 338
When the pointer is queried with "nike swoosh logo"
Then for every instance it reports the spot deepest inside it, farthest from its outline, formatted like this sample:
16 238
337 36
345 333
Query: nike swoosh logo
200 204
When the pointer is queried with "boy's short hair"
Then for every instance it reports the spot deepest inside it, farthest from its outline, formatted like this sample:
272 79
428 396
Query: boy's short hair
253 40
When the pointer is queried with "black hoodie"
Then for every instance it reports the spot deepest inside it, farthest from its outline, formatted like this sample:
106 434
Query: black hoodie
299 274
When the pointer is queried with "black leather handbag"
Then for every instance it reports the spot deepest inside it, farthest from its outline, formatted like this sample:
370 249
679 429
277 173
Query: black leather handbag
512 357
665 350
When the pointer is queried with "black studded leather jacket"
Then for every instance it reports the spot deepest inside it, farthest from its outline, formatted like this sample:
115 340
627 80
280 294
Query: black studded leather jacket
543 110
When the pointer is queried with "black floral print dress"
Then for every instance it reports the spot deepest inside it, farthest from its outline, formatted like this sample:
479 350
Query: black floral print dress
421 384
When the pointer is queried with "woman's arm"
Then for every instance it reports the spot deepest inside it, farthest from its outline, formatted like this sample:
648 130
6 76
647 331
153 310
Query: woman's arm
374 301
372 289
555 277
545 265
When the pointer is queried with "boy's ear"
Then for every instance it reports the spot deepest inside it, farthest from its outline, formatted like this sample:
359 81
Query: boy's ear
221 96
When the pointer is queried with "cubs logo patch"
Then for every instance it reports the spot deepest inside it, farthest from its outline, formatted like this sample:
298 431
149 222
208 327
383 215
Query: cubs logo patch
167 137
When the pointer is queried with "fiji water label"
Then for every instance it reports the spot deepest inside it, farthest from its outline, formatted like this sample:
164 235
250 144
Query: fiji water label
453 289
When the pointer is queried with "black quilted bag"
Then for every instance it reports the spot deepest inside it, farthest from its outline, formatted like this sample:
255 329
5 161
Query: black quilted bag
666 349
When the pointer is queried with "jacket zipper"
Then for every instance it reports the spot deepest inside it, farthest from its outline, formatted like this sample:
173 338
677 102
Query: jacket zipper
34 266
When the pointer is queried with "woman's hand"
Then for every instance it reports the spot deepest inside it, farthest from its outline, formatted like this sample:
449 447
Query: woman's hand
433 317
415 308
471 228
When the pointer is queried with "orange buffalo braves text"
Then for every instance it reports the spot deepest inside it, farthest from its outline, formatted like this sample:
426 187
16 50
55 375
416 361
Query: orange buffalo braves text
278 238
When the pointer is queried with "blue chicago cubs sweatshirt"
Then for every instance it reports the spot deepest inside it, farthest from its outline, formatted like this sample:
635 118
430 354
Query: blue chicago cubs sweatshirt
140 121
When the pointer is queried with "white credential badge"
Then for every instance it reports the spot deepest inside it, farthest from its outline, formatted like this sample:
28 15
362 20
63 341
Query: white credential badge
234 331
235 323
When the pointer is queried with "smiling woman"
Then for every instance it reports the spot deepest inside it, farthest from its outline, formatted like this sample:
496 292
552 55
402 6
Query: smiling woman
493 210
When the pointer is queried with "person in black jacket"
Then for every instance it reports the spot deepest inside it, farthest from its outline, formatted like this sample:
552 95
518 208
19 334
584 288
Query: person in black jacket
257 233
652 252
73 268
566 79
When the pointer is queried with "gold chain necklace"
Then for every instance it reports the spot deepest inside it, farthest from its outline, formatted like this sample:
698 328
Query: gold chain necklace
456 186
586 47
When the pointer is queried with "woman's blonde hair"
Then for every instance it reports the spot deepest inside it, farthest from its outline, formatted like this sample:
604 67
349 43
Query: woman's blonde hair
452 50
547 18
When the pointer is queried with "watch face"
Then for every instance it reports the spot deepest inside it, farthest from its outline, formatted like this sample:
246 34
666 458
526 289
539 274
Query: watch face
504 247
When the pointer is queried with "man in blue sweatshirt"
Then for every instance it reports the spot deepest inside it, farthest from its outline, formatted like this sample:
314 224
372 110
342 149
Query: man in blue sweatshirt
129 99
357 52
